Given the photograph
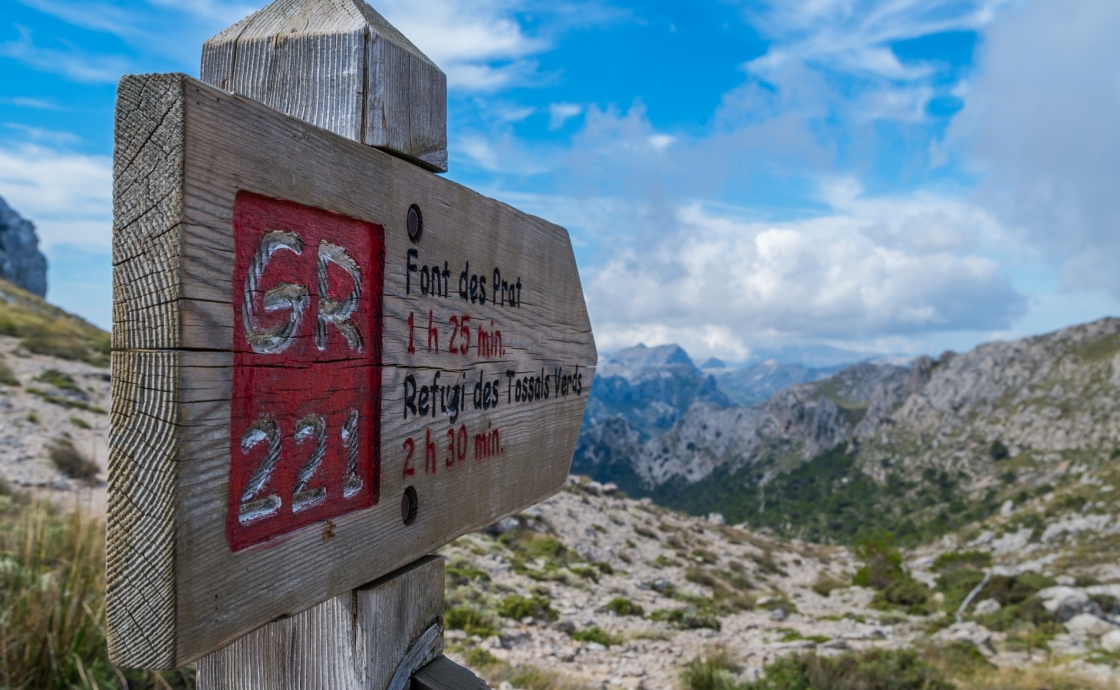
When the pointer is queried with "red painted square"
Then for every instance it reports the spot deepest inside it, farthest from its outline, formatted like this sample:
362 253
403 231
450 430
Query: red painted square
305 421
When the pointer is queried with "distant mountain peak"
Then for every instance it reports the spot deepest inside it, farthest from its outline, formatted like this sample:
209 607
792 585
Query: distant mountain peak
21 262
713 363
635 360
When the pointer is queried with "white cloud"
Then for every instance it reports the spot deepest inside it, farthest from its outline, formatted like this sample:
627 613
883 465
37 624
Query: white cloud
721 286
479 44
1040 122
67 195
560 113
661 141
71 62
33 103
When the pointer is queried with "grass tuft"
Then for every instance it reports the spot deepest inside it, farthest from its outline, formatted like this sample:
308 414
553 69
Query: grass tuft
52 584
71 462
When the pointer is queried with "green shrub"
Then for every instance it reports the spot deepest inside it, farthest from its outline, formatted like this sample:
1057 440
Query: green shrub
470 620
71 462
883 562
546 547
876 669
481 659
998 451
6 376
61 381
596 634
710 671
518 607
687 619
624 607
80 423
826 583
907 594
955 560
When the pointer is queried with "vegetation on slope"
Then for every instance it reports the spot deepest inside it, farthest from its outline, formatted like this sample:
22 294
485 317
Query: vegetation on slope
828 499
47 330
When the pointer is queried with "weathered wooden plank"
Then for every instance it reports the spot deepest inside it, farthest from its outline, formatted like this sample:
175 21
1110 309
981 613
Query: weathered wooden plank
147 194
444 674
181 336
372 638
339 65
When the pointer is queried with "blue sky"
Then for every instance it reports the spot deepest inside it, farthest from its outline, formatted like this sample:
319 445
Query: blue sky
745 178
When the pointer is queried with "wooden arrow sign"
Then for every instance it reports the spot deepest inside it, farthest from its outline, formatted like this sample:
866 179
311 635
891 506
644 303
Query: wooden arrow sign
327 363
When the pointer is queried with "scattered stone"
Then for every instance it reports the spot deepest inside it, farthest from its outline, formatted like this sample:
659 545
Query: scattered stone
593 488
1064 602
1110 642
610 489
503 526
716 519
1007 508
970 632
565 626
987 606
1088 625
778 615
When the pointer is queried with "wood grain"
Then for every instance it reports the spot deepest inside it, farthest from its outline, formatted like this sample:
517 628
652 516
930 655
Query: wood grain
444 674
371 638
339 65
143 481
177 589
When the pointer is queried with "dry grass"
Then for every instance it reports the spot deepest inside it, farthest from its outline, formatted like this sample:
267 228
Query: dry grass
47 330
1031 679
52 607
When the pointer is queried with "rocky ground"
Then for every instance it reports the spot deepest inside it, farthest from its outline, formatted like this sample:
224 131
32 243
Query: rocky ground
56 401
585 552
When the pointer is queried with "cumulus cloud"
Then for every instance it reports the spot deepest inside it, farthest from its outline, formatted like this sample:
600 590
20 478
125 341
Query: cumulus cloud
722 286
68 195
1040 123
482 45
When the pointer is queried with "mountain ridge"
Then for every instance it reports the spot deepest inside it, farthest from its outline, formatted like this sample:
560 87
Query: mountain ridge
927 437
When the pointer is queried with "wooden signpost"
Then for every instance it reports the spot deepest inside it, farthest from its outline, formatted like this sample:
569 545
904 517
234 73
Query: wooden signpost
328 361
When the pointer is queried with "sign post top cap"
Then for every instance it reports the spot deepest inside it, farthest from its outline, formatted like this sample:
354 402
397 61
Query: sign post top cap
339 65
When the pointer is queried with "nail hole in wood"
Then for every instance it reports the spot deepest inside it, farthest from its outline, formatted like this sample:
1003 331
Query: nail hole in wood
415 223
410 505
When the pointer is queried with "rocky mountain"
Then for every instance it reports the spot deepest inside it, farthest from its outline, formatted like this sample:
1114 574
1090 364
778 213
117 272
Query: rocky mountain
756 383
21 262
919 450
649 388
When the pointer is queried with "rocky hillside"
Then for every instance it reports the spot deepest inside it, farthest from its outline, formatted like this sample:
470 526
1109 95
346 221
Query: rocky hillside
919 450
21 262
54 397
591 589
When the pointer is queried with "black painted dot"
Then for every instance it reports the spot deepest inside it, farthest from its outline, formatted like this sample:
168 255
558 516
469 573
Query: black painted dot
410 505
415 223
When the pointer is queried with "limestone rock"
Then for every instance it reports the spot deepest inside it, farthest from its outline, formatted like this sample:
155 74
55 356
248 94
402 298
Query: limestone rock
987 606
21 262
1088 625
1110 642
1064 602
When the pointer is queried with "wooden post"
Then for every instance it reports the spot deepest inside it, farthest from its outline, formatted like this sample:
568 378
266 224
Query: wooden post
289 307
339 65
373 638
